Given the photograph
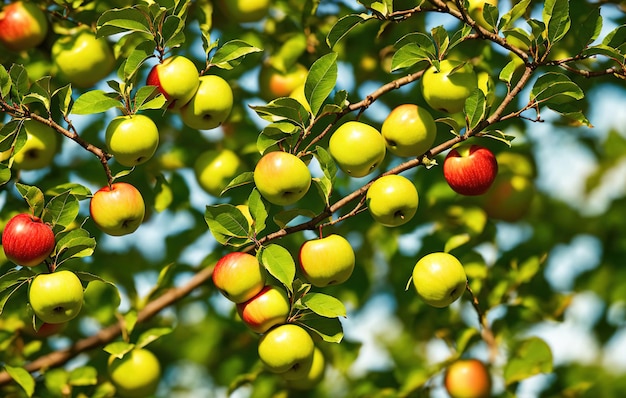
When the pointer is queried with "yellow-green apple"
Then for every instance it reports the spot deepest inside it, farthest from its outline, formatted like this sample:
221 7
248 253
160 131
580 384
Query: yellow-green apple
23 25
439 279
270 307
211 104
117 209
357 147
177 79
282 178
243 11
392 200
409 130
274 83
40 147
447 89
27 240
475 10
56 297
214 169
468 378
307 377
132 139
239 276
82 59
286 349
470 169
136 374
327 261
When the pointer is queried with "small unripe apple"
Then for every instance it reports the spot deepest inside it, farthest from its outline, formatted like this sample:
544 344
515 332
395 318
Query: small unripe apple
327 261
136 374
270 307
214 169
286 349
468 378
56 297
439 279
23 25
357 147
282 178
475 10
117 209
392 200
274 83
211 104
409 130
470 169
239 276
177 79
447 89
27 240
39 149
243 11
132 139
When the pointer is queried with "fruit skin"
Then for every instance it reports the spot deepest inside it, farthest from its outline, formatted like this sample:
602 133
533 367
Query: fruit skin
243 11
27 240
447 92
214 169
439 279
132 139
286 349
56 297
409 130
358 148
177 79
211 104
470 170
327 261
117 210
274 83
137 374
282 178
270 307
39 149
392 200
307 377
475 11
23 26
82 59
468 378
239 276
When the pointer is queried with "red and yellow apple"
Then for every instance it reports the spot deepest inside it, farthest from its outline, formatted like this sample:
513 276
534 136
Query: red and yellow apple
23 25
239 276
118 209
468 378
470 169
270 307
177 79
27 240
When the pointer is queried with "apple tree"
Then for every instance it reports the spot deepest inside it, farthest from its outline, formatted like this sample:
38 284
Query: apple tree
312 198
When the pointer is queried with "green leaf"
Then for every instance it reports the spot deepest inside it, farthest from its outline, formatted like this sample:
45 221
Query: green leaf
329 329
555 88
572 111
259 210
149 97
132 64
616 39
65 98
5 82
283 109
20 84
76 243
475 108
83 376
33 197
40 93
23 378
172 31
227 224
151 335
456 241
275 133
285 217
320 81
278 262
441 39
324 305
79 191
5 174
413 49
557 19
329 168
517 11
245 178
526 359
163 195
95 101
491 15
61 210
232 51
119 348
122 20
344 26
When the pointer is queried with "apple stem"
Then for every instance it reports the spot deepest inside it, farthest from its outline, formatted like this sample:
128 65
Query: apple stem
52 266
486 332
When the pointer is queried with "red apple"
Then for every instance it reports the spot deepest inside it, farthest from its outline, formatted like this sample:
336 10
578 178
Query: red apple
269 308
239 276
22 26
177 79
117 209
468 378
470 170
27 240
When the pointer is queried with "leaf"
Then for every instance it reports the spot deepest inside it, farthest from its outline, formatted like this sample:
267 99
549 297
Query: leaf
122 20
278 262
275 133
79 191
61 210
412 49
321 81
441 39
118 349
19 79
329 168
456 241
83 376
231 51
329 329
172 31
5 174
133 62
33 197
475 108
283 109
557 19
12 281
95 101
283 218
39 92
344 26
65 98
491 14
555 88
76 243
163 195
259 210
23 378
226 222
5 82
242 179
528 358
517 11
324 305
151 335
572 111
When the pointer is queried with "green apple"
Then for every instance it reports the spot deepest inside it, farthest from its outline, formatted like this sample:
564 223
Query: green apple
327 261
475 11
211 104
117 209
177 79
214 169
274 83
56 297
307 377
239 276
439 279
392 200
286 349
132 139
409 130
40 147
282 178
243 11
357 147
23 26
447 89
136 374
82 59
468 378
270 307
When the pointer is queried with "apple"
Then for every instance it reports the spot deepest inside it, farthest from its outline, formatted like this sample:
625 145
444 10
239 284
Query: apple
475 11
392 200
270 307
286 349
447 89
40 147
239 276
214 169
358 148
274 83
177 79
282 178
327 261
439 279
470 169
211 104
56 297
23 26
136 374
243 11
117 209
468 378
27 240
82 59
409 130
132 139
307 377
